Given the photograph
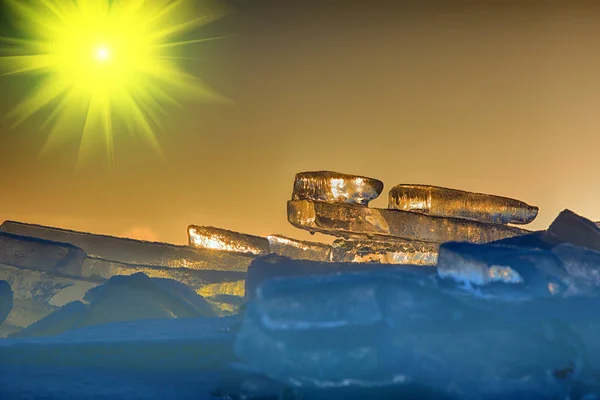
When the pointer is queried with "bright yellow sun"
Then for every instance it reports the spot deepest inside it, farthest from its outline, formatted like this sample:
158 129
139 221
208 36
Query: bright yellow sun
107 60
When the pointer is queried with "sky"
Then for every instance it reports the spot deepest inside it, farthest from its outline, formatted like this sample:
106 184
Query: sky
493 97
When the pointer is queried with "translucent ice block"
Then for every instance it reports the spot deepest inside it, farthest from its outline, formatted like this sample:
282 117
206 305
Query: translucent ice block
583 267
39 254
299 249
521 272
349 220
336 187
132 251
395 327
386 252
208 237
444 202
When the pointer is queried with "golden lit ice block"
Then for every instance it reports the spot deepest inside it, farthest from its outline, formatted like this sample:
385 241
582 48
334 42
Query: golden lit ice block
299 249
444 202
335 187
408 252
208 237
349 220
131 251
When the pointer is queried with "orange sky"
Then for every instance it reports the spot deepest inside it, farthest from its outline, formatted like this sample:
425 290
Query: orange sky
499 98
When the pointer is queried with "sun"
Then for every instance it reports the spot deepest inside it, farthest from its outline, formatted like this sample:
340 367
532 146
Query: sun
114 63
102 54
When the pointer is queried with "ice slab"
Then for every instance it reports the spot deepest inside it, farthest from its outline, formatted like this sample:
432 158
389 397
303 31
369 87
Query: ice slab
388 252
569 227
124 298
40 254
446 202
154 344
274 266
336 187
496 270
132 251
6 300
391 327
209 237
299 249
348 220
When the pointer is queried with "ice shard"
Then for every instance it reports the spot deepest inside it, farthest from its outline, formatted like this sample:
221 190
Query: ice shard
208 237
132 251
39 254
445 202
504 271
569 227
274 266
397 328
6 300
349 220
299 249
407 252
335 187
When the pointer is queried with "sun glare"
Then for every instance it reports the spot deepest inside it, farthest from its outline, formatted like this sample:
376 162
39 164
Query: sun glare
134 72
102 54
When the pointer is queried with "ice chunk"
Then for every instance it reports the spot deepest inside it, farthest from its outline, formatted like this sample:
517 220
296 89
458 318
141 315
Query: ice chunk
175 345
39 285
569 227
389 252
44 255
125 298
525 272
211 285
274 266
298 249
132 251
445 202
336 187
395 327
37 293
349 220
6 300
208 237
583 266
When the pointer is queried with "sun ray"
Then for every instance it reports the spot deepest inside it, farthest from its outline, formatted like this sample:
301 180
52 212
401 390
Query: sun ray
104 61
186 42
